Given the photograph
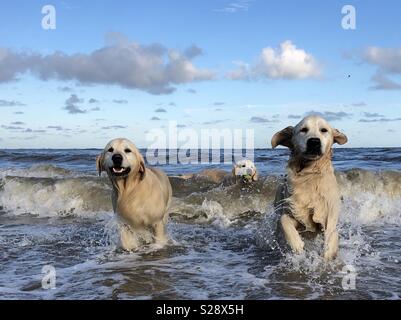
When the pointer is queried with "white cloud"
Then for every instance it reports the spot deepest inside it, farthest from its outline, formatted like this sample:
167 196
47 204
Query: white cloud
257 119
120 101
71 105
7 103
114 127
286 62
330 115
152 68
236 6
388 63
359 104
159 110
383 82
388 59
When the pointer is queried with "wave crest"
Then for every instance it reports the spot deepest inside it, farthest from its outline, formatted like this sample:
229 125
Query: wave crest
208 197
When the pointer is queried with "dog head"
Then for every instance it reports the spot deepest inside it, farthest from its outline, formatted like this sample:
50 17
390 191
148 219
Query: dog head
120 159
310 139
245 170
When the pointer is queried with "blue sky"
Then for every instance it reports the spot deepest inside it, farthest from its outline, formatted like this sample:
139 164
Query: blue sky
106 69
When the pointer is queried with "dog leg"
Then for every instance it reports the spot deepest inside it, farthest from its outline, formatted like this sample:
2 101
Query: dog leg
292 236
159 231
330 245
331 235
127 238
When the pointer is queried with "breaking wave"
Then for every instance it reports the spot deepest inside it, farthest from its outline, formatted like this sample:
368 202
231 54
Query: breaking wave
209 196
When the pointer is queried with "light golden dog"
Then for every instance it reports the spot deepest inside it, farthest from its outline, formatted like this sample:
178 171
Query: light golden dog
244 171
309 199
141 196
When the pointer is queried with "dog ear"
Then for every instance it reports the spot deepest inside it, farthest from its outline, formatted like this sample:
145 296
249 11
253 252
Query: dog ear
142 168
233 171
99 163
339 137
255 176
283 138
234 177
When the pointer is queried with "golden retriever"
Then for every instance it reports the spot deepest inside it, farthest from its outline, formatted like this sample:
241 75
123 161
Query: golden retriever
141 196
309 199
244 171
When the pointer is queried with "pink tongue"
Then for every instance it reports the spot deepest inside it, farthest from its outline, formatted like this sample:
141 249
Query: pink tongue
118 170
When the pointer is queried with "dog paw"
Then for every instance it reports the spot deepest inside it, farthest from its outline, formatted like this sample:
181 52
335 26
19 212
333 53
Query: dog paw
330 255
331 246
298 247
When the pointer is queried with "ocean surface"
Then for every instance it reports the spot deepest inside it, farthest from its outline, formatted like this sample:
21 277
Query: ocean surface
55 212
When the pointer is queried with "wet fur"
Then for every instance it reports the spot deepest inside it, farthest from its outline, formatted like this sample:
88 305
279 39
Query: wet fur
309 201
141 200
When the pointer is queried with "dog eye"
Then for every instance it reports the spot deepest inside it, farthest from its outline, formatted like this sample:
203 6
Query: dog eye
127 150
110 150
304 130
324 130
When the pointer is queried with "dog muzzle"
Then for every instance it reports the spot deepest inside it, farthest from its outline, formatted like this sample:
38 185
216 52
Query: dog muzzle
244 173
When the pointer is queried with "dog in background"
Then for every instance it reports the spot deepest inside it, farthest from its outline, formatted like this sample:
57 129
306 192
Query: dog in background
141 196
244 171
309 200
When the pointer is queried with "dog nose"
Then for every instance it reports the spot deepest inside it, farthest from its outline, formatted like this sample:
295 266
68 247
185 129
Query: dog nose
117 159
313 143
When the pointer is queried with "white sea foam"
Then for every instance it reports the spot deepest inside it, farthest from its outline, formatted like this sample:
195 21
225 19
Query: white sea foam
50 191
